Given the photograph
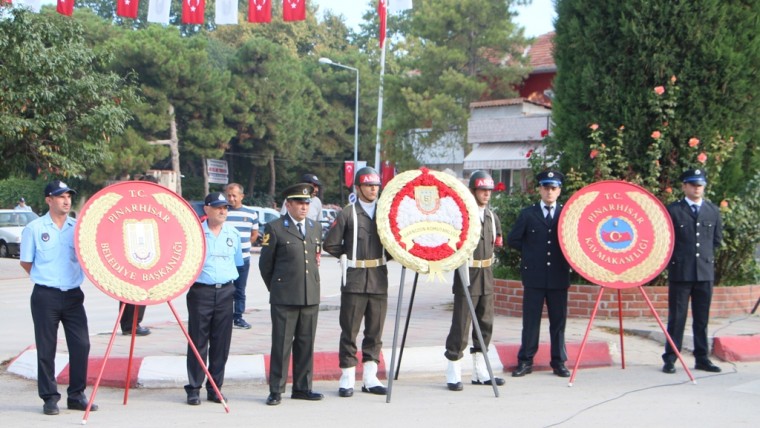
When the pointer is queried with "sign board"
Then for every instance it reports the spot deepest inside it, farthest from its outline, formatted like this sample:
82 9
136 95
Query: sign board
616 234
217 171
140 243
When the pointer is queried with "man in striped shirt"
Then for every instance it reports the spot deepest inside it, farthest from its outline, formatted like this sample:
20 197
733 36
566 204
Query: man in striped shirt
246 221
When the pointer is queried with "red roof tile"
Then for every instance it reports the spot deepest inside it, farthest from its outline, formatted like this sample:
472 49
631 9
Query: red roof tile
541 53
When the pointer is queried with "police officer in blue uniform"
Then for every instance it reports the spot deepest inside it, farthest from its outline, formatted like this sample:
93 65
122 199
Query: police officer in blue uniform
209 301
698 232
47 255
289 266
545 275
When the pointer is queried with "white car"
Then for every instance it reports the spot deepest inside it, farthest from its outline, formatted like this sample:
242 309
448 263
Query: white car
265 216
12 222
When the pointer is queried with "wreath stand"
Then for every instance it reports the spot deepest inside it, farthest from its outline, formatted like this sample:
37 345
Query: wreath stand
464 274
131 353
620 318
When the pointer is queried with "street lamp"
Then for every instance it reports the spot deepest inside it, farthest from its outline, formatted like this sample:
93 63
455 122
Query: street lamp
328 61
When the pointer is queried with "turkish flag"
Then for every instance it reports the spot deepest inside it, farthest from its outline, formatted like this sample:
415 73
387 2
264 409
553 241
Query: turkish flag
260 11
348 173
293 10
388 171
382 12
65 7
193 11
127 8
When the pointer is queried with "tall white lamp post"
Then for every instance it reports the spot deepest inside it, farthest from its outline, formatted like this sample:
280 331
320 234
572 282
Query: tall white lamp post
328 61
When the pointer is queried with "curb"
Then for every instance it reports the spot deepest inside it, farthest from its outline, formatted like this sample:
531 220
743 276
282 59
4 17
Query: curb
737 348
171 372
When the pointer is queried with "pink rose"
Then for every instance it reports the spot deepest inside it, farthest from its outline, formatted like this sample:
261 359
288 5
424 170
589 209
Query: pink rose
594 153
724 204
594 126
693 142
656 135
659 90
702 158
668 190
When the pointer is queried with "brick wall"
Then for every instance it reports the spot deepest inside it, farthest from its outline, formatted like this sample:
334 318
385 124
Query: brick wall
727 301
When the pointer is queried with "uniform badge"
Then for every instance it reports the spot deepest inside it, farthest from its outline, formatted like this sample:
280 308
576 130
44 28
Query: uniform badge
229 242
265 240
45 237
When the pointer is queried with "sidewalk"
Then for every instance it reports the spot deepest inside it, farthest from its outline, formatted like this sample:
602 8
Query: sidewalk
159 359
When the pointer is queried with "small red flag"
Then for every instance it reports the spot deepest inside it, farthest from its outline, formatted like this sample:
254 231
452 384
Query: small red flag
260 11
65 7
348 173
293 10
388 171
382 12
193 11
127 8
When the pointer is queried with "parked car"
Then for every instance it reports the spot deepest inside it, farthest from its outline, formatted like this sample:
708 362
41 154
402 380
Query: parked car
12 222
265 216
197 207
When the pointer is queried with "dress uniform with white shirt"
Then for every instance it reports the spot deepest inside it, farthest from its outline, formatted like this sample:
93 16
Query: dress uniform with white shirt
289 266
545 275
691 271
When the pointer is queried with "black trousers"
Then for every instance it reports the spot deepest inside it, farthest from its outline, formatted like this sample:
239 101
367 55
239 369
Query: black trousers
533 306
678 309
51 306
209 325
293 328
129 315
353 308
456 341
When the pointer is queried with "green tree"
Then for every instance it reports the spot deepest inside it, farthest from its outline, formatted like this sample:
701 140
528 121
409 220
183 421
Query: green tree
176 74
459 51
610 56
58 105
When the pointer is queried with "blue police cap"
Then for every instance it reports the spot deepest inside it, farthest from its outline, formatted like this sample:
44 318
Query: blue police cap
694 176
550 178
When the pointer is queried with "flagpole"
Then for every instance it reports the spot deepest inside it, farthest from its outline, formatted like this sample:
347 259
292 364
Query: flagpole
380 90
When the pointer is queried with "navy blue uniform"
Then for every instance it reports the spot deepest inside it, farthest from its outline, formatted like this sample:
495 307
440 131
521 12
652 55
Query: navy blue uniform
545 276
691 273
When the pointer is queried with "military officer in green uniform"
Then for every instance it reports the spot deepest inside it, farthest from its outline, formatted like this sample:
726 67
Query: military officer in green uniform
289 265
364 286
481 291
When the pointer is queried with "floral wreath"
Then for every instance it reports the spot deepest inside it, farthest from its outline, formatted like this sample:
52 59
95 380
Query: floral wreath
428 221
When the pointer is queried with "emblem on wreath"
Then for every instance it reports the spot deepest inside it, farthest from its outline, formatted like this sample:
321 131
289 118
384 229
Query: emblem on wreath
428 221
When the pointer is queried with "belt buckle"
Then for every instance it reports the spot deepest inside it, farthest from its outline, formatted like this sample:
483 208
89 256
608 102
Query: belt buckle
218 285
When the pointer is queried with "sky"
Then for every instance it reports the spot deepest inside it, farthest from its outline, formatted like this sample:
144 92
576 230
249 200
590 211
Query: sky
536 18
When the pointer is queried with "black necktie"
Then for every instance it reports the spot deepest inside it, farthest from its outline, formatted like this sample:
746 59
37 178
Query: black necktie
695 209
300 230
548 213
